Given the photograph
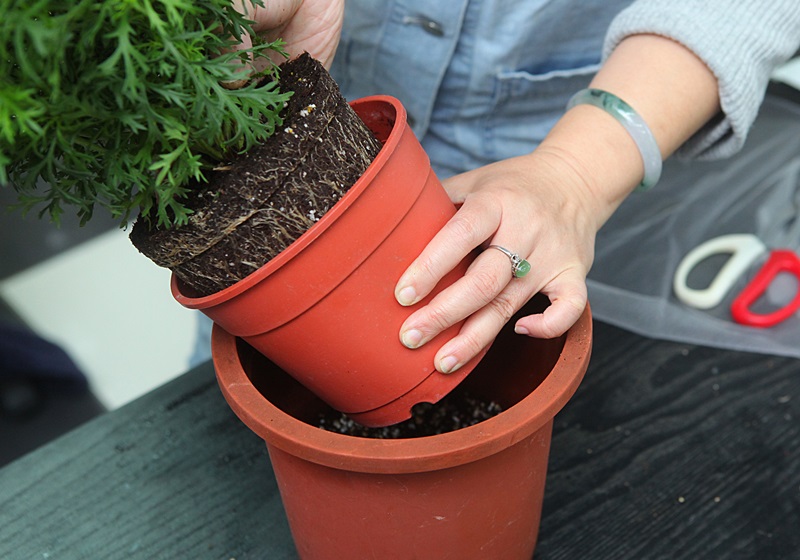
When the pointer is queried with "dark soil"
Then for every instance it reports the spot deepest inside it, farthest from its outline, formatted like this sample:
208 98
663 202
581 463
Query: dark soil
454 412
257 205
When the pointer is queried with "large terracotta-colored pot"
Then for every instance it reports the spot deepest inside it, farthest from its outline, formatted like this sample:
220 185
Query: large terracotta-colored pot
324 308
475 493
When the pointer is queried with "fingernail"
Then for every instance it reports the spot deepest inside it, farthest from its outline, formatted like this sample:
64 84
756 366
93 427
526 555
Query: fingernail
411 338
449 364
407 296
521 330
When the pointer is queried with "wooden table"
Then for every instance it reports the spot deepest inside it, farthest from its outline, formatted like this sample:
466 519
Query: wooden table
667 451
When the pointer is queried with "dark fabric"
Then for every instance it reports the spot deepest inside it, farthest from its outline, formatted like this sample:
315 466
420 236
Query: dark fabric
43 393
23 354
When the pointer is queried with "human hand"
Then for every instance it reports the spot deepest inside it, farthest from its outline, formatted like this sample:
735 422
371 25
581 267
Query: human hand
312 26
547 206
535 205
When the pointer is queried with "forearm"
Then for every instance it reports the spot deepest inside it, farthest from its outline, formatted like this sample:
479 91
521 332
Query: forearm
668 86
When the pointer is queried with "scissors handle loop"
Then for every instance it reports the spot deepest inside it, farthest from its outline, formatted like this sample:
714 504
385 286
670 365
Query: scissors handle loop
779 261
744 249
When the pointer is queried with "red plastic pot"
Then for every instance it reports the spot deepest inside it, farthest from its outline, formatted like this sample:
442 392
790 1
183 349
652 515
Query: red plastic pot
475 493
324 308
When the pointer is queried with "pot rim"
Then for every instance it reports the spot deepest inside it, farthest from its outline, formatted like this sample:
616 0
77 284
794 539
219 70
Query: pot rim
319 227
279 429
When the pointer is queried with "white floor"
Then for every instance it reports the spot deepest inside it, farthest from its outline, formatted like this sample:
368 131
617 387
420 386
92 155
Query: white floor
114 314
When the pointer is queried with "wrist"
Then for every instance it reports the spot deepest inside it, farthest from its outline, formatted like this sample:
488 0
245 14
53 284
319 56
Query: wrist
629 119
597 154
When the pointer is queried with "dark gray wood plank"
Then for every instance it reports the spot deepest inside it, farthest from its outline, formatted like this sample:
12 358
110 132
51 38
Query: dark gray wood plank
666 451
171 475
676 451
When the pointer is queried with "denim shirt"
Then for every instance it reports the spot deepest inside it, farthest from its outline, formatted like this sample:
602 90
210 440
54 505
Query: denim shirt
482 80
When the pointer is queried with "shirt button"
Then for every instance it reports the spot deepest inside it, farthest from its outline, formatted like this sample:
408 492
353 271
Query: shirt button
428 25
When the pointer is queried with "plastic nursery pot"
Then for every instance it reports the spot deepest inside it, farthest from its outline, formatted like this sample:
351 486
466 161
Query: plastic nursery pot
475 493
324 308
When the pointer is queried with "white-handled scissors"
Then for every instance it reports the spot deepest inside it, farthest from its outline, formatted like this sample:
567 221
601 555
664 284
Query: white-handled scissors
744 250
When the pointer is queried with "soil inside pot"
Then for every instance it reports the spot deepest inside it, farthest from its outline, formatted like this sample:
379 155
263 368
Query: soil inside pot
456 411
256 205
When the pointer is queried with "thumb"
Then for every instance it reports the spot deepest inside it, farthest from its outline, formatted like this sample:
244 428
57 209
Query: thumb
458 187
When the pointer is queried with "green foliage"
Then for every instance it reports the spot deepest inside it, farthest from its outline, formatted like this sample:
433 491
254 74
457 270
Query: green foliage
118 103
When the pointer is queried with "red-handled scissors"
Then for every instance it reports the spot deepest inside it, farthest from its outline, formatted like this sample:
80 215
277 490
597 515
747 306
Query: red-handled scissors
744 249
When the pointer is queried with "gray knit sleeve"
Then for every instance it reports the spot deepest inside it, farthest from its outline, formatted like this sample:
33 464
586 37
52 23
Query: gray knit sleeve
741 41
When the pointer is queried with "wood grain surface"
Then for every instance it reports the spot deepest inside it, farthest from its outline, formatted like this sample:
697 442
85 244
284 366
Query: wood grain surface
667 451
676 451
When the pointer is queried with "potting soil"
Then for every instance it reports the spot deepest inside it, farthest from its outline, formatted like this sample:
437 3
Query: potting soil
454 412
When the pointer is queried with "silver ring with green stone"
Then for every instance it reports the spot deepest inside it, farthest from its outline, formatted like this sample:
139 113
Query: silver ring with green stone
519 266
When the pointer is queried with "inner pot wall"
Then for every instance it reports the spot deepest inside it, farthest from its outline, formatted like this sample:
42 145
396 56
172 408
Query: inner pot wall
473 493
